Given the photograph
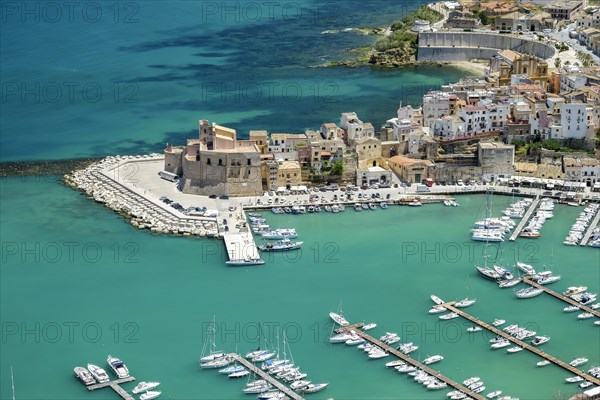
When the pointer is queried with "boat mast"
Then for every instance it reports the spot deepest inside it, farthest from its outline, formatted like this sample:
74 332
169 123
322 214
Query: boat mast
12 381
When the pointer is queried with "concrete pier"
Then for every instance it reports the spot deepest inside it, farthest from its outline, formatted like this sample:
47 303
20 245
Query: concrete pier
240 246
524 220
590 229
410 361
115 385
253 368
522 344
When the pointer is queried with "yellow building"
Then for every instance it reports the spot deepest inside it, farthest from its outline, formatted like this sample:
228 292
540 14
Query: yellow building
532 67
289 174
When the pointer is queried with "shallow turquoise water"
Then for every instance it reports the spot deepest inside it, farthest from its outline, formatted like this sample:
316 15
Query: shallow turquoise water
148 298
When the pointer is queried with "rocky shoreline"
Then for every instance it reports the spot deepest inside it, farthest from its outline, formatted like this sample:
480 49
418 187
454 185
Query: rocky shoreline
138 210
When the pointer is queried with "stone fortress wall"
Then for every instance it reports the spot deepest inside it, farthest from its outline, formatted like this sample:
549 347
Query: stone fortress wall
465 46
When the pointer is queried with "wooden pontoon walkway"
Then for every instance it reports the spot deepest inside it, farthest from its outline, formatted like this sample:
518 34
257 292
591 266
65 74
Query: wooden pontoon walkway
524 220
115 385
522 344
590 229
253 368
411 361
559 296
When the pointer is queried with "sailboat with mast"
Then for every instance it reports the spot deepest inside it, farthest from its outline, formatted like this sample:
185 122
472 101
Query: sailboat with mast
489 229
211 357
338 317
12 382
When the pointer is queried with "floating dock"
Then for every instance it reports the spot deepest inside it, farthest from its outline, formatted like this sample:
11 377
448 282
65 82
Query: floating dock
522 344
560 296
410 360
253 368
525 218
590 229
115 385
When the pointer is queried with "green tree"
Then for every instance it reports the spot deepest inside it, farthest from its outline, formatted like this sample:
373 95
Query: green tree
557 62
337 168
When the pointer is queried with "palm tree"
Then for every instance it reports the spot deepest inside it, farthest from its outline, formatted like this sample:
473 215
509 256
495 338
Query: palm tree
557 62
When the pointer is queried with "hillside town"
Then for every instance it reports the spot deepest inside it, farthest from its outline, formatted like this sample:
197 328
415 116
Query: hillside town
526 116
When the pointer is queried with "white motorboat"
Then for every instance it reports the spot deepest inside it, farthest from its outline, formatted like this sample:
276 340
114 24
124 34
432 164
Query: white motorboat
388 336
543 363
98 373
479 389
500 344
437 300
509 283
514 349
355 340
239 374
407 368
571 309
280 234
498 322
585 315
314 388
298 385
395 363
546 280
474 329
540 340
437 309
393 340
572 290
338 319
245 261
475 385
280 245
144 387
275 394
408 348
448 316
436 385
585 384
375 355
574 379
84 376
257 389
232 369
370 326
471 381
526 268
578 361
528 292
217 363
118 367
494 394
433 359
341 338
150 395
465 303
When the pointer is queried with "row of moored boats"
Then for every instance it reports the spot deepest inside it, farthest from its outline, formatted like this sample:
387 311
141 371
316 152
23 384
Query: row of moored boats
94 374
582 223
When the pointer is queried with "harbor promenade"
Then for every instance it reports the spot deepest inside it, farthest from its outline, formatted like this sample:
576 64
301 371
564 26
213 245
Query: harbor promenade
254 369
449 306
524 220
410 360
116 386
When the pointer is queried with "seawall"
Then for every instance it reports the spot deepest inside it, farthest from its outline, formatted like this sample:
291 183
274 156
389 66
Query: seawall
465 46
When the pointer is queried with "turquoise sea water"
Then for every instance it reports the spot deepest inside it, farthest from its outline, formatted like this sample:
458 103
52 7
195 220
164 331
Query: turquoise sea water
127 77
148 298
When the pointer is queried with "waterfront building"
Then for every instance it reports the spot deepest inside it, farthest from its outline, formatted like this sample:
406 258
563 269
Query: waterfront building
484 119
329 131
517 21
410 169
324 152
576 121
288 173
496 160
578 169
369 176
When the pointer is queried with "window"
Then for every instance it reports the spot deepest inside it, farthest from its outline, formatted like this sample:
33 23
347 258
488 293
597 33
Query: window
208 161
220 161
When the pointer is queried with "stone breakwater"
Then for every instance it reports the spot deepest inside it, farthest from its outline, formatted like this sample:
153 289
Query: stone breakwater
141 211
58 167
